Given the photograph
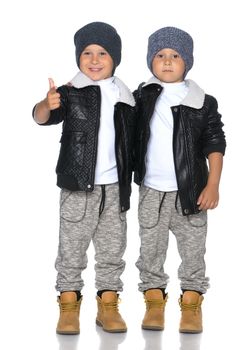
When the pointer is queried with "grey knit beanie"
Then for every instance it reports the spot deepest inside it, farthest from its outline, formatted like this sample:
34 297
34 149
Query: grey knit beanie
171 38
102 34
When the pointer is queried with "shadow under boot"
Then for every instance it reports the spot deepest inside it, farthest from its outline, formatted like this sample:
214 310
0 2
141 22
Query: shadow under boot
191 314
69 313
155 307
108 316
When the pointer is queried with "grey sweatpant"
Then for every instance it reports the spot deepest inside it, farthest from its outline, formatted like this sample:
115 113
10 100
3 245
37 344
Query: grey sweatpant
157 215
86 216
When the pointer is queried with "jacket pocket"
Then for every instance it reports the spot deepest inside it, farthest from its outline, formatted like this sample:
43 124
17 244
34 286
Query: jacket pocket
72 150
148 211
73 205
76 137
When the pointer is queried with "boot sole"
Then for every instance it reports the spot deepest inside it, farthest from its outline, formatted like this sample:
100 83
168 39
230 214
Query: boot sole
110 330
152 328
68 333
188 331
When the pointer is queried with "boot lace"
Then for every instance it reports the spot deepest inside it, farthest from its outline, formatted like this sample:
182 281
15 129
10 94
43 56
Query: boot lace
189 307
155 303
113 305
72 306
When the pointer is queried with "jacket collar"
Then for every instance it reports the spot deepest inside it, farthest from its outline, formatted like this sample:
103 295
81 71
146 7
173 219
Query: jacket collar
194 98
80 80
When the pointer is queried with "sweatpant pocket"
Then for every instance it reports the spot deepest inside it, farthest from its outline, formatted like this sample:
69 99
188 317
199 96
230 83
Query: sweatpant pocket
198 220
148 211
72 205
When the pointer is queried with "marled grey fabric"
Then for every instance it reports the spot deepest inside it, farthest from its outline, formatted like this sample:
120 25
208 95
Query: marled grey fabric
158 215
81 222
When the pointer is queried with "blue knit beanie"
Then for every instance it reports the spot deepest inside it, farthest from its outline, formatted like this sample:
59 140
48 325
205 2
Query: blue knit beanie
102 34
171 38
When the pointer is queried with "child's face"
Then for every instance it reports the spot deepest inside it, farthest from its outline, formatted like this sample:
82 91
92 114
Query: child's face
168 66
96 62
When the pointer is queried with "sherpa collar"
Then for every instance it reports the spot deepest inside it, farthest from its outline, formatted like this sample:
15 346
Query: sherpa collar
194 98
80 80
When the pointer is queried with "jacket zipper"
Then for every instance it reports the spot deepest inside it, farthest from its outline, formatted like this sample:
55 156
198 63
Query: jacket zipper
91 182
187 158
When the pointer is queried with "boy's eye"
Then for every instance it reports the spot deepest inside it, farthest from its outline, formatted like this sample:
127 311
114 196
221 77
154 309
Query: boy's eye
103 53
172 56
86 52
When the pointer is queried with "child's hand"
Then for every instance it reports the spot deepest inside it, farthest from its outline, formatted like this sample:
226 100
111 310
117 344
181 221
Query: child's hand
209 198
53 97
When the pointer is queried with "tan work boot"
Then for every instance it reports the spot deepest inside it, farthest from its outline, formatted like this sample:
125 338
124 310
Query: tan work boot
191 318
108 316
155 307
69 313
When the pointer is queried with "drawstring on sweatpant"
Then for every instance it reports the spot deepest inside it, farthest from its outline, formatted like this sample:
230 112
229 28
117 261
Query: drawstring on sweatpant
176 202
162 200
102 203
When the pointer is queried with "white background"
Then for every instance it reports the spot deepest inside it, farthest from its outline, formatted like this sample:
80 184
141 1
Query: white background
37 43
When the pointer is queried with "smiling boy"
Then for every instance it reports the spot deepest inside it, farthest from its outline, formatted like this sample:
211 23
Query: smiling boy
94 171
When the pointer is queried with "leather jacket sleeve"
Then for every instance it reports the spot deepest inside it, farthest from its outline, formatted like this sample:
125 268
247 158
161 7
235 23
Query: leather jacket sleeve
213 136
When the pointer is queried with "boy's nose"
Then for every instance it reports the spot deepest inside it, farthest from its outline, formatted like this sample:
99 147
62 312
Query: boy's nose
95 59
167 61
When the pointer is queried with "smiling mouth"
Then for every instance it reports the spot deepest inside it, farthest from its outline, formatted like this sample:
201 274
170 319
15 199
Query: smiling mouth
95 69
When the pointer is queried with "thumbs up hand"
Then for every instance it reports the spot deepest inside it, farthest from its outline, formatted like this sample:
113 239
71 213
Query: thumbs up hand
53 97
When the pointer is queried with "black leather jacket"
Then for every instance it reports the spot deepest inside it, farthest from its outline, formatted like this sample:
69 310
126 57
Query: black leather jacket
80 114
197 132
